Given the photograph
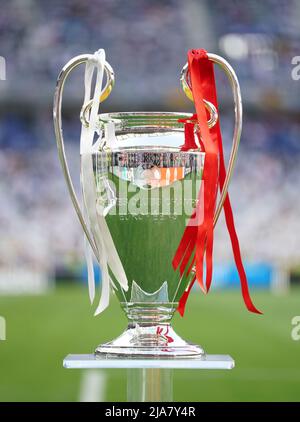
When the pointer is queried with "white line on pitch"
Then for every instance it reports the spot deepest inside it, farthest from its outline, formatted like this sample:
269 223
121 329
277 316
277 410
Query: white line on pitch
92 388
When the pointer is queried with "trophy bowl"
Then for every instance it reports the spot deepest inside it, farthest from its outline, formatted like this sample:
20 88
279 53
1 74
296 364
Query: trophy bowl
140 188
146 191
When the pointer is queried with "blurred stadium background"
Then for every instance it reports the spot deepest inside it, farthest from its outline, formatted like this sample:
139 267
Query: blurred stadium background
42 282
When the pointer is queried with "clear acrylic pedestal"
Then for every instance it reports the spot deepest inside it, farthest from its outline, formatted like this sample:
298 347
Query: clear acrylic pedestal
149 380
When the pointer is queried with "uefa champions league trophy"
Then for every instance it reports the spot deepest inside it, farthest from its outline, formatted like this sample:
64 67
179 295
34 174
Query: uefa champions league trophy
139 188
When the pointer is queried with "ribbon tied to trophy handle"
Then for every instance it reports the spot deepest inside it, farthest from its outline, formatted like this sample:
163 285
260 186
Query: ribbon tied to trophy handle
106 91
57 117
238 111
198 82
99 243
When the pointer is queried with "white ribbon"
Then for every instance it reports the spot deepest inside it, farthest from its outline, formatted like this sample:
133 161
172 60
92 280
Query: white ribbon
107 254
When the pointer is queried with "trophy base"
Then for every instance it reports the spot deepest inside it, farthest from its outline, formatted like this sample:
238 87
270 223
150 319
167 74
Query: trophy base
149 341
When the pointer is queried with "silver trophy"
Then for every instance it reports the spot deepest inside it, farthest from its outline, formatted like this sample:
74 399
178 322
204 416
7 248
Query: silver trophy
139 189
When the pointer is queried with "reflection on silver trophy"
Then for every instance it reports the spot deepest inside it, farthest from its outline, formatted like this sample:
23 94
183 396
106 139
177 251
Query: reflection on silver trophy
139 191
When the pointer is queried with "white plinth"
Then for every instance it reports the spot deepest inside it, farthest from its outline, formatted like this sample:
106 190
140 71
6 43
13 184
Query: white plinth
93 362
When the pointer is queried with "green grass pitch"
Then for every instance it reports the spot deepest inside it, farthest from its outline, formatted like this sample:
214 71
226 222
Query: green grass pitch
42 330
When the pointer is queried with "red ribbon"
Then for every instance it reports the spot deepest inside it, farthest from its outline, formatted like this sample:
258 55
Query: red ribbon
189 137
198 237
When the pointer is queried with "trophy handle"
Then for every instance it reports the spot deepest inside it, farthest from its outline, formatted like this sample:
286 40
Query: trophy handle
238 112
57 118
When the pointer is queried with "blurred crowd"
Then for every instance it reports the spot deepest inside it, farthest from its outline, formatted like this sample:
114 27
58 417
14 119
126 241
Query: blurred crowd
260 38
147 42
38 37
39 226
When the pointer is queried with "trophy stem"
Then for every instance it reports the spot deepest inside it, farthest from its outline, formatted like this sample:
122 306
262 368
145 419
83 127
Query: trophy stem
149 313
149 334
150 385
